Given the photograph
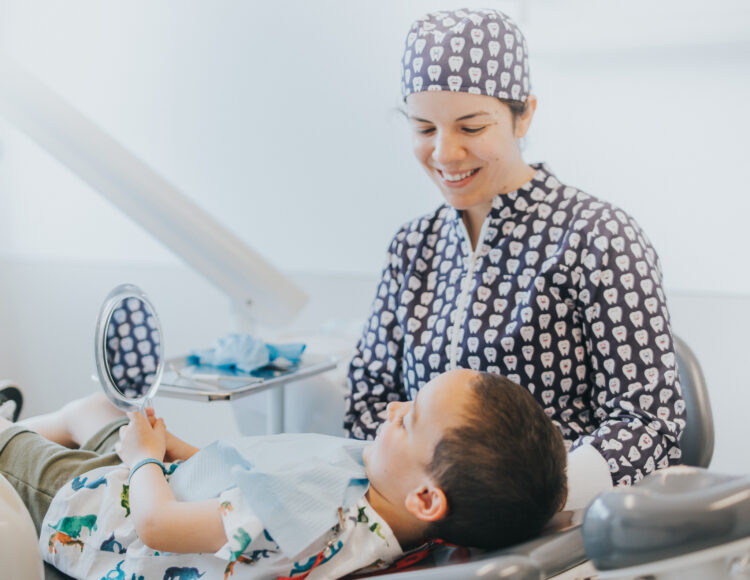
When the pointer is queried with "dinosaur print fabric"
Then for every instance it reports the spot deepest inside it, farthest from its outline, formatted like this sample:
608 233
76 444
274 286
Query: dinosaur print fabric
562 295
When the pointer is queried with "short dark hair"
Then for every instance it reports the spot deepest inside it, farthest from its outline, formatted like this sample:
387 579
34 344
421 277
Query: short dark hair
502 471
517 108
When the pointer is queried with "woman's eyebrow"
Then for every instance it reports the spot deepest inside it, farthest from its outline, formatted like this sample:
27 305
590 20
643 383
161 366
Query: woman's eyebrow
463 118
472 115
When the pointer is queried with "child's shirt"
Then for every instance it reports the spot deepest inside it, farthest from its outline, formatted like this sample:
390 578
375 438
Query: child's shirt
88 533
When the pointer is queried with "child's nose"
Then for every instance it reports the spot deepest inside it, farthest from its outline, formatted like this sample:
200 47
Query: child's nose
392 409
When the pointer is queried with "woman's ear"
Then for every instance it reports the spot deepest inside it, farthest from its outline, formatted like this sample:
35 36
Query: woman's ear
427 503
524 120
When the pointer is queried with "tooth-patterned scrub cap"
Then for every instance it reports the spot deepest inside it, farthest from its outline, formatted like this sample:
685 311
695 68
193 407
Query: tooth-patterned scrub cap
479 51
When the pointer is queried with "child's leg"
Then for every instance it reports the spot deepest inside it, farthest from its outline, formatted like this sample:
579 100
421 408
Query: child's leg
37 467
76 422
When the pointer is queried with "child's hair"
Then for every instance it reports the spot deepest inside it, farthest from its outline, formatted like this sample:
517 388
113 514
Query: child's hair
502 471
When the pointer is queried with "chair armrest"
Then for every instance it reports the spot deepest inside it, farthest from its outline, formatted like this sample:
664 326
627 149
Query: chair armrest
18 540
672 512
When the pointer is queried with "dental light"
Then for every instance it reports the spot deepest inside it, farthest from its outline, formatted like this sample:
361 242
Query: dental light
255 287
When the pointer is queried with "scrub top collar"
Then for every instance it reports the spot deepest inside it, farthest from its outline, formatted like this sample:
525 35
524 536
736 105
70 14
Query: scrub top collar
525 199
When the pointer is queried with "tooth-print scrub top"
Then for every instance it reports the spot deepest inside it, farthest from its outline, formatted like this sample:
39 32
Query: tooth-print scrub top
88 533
562 295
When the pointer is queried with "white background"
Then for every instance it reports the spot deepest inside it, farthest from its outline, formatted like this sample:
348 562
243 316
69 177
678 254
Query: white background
281 120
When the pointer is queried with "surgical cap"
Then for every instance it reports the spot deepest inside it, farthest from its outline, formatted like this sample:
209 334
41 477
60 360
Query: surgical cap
479 51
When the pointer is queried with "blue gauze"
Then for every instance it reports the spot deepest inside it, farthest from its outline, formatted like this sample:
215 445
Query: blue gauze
294 483
246 353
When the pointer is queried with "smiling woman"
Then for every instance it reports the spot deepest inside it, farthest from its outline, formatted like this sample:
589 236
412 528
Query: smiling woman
517 274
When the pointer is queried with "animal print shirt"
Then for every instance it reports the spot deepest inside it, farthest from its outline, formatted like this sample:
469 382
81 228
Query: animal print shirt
88 533
563 295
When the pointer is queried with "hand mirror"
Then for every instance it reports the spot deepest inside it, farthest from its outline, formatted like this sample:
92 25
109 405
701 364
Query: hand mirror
128 348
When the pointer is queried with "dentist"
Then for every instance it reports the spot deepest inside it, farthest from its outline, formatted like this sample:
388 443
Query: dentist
517 273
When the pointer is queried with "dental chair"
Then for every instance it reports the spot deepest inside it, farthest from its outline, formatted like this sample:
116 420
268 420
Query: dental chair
683 523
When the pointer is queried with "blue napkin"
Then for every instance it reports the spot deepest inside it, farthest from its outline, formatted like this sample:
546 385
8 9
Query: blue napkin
246 353
294 483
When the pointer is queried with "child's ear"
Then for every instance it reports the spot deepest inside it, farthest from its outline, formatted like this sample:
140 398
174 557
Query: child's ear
427 503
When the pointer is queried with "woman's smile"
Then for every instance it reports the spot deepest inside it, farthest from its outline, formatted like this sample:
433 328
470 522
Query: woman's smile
456 180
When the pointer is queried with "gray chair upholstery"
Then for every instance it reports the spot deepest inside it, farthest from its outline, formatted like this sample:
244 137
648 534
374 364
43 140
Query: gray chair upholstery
697 440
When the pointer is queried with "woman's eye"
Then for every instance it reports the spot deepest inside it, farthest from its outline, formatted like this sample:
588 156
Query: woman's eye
472 130
425 130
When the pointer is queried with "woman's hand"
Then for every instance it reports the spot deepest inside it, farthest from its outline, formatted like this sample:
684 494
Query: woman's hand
140 439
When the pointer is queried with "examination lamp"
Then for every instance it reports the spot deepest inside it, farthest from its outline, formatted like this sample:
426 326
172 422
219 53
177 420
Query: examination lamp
255 287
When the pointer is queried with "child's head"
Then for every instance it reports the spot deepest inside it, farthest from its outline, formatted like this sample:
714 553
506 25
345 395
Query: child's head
473 460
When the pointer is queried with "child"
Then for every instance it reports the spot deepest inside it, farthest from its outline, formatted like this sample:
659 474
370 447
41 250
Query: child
473 460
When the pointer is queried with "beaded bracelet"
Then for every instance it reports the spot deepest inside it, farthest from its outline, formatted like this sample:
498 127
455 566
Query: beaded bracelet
143 462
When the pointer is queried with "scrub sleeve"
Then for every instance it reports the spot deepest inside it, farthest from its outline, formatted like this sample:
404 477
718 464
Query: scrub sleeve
37 468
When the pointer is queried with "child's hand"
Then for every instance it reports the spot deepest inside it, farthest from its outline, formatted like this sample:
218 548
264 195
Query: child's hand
139 439
176 448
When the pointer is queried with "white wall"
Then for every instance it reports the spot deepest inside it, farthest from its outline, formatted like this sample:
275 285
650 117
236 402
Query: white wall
280 119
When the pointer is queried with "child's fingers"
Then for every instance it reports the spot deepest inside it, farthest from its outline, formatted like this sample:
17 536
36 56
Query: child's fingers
139 418
159 427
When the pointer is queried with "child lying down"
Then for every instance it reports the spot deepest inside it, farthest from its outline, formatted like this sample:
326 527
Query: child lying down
473 461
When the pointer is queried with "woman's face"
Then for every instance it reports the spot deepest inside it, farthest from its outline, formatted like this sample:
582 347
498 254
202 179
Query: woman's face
468 144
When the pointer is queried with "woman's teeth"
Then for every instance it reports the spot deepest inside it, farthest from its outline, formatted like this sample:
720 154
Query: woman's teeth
458 176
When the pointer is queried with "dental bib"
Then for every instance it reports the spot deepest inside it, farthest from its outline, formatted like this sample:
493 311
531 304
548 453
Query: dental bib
294 483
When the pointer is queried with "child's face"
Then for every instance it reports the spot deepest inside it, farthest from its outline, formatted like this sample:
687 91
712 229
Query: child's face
398 459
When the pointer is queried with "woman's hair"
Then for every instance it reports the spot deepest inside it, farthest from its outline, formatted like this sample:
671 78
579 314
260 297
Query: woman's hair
517 108
502 471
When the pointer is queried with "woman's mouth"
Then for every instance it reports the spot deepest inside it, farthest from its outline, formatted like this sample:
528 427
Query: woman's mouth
457 179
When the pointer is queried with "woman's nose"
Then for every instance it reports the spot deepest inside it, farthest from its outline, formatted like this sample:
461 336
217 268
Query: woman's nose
448 149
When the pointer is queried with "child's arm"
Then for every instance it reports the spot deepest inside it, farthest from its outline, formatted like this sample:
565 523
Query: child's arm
161 522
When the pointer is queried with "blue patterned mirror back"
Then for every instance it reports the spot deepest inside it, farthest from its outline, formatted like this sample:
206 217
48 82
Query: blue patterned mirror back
133 347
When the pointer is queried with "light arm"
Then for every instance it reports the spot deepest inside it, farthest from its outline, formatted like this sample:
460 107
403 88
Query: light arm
168 525
147 198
